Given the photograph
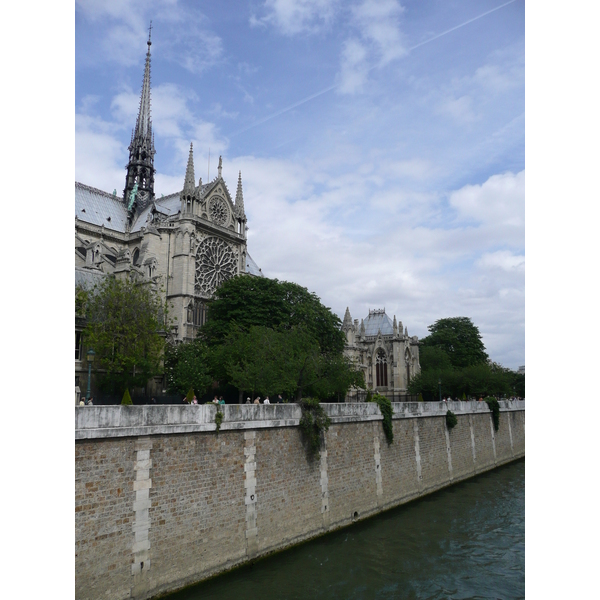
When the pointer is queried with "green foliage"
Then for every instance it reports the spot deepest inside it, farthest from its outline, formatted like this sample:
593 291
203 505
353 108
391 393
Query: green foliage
124 320
81 299
494 406
280 305
459 338
218 419
369 397
420 399
126 401
385 406
187 367
314 423
190 394
434 357
272 337
451 420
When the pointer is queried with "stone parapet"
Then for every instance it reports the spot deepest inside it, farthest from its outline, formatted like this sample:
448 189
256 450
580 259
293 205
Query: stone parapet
93 422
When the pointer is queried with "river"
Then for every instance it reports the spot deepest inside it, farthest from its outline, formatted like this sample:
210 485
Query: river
466 541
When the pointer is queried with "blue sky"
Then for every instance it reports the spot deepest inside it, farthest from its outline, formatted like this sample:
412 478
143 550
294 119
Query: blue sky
381 144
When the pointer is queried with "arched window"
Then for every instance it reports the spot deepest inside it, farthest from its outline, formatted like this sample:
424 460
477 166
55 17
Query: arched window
136 257
381 369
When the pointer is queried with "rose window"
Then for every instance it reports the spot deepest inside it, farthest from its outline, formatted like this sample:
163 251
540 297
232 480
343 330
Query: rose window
215 263
218 210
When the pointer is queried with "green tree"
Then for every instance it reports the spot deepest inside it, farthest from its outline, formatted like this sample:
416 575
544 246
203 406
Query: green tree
261 302
187 366
124 321
276 337
460 339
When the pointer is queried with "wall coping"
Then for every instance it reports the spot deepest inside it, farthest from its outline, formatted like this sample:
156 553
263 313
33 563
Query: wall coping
97 422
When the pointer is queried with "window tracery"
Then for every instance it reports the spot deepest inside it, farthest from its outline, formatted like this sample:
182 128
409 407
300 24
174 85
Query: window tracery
215 262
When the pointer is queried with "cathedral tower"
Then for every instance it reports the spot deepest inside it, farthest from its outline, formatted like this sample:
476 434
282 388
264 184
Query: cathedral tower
139 185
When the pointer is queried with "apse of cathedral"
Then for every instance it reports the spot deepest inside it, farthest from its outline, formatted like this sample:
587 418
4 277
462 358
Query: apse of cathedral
386 354
184 244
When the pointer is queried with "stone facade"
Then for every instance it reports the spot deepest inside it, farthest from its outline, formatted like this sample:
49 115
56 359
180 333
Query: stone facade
183 245
162 501
386 354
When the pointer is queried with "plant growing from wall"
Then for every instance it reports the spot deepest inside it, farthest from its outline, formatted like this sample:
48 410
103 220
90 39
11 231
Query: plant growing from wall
313 423
451 420
495 408
385 406
218 419
126 401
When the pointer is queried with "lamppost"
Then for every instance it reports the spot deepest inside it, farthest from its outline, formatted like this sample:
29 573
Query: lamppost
90 359
440 387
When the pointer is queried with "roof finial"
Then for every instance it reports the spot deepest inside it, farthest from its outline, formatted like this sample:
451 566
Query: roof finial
239 196
220 165
189 182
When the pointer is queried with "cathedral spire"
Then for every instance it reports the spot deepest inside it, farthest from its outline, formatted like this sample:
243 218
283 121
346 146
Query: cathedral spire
190 180
347 324
239 196
139 185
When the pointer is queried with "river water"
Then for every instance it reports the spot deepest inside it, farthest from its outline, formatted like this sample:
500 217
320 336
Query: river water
466 541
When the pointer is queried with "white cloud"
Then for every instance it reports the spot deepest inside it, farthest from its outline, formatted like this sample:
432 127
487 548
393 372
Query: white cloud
291 17
502 259
380 41
500 201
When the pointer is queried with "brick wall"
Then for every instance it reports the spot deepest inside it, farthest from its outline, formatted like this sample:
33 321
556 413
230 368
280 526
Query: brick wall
162 501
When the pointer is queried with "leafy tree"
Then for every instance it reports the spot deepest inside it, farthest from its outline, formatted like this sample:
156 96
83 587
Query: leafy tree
261 302
434 358
187 367
276 337
126 400
123 327
459 338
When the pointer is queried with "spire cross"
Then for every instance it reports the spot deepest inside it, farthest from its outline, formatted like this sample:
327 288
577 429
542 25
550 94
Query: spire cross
150 34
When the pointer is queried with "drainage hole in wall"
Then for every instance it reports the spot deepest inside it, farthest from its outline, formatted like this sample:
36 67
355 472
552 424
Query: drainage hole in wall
355 515
252 497
378 466
142 565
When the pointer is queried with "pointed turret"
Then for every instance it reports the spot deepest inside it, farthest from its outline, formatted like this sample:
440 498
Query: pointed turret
139 184
362 328
395 326
347 320
190 180
220 166
239 196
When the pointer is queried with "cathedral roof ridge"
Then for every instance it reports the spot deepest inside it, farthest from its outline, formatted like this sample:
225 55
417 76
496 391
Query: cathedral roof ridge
90 188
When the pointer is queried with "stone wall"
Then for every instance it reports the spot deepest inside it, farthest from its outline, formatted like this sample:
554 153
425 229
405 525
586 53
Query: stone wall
163 501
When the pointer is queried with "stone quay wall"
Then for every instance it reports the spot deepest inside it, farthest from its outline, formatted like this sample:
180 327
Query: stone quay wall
163 501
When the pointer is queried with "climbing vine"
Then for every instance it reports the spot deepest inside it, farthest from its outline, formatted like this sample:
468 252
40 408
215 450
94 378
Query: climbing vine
218 419
313 423
385 406
495 408
451 420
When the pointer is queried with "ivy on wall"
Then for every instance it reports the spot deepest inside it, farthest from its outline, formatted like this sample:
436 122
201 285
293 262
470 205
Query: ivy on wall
313 423
451 420
385 406
495 408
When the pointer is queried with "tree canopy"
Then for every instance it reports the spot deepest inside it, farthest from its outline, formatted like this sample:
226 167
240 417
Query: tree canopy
124 320
187 366
459 338
261 302
271 337
454 359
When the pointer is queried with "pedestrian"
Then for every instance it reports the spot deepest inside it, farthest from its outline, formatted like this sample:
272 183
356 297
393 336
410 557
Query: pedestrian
215 400
267 401
153 400
195 400
221 401
248 401
257 400
279 399
82 402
